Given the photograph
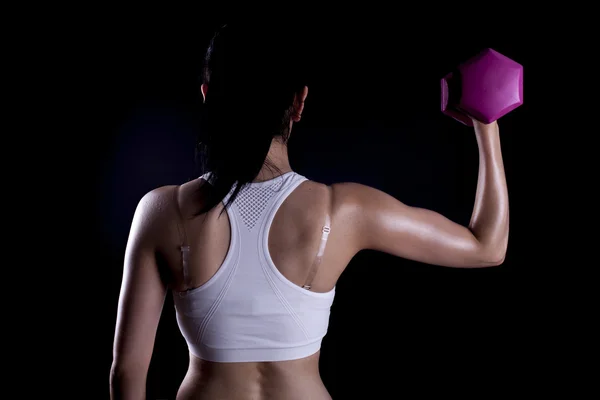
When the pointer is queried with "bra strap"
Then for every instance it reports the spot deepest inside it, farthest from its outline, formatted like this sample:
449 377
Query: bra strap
317 262
184 248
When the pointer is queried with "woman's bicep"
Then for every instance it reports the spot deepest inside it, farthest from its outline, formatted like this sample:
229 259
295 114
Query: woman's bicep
142 293
386 224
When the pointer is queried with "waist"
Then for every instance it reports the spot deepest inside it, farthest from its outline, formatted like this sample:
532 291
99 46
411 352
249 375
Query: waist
292 379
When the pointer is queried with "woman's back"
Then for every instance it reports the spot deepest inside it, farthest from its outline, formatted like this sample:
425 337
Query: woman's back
294 239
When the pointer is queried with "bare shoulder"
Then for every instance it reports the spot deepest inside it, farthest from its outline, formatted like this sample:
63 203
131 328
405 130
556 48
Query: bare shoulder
160 202
154 212
363 200
365 212
341 198
354 194
317 188
343 202
308 203
157 201
355 199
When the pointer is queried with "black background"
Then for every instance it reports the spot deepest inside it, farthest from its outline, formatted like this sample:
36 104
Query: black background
372 116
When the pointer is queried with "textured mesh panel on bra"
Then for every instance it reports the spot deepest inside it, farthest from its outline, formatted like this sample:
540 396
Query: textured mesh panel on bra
252 201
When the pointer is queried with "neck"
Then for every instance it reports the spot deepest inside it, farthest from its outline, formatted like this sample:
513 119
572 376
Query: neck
278 156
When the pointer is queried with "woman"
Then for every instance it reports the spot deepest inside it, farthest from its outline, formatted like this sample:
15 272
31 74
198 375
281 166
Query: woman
252 251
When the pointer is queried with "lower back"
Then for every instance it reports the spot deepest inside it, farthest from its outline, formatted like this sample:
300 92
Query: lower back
293 379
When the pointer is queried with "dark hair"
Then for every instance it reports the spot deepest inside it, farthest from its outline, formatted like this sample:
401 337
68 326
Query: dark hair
252 73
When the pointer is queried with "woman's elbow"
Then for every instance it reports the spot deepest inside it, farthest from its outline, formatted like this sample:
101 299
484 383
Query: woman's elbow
497 261
127 382
494 257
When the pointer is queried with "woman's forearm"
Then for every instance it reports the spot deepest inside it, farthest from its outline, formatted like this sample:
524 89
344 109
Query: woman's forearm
489 221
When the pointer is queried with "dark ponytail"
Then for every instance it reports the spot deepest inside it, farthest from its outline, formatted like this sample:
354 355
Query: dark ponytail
252 74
